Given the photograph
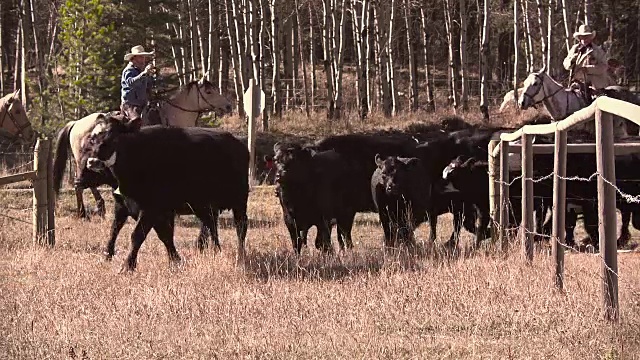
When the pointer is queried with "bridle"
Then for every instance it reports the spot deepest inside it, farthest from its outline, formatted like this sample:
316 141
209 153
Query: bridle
7 113
544 91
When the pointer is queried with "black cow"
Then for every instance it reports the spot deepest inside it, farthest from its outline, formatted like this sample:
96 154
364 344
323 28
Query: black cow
401 191
470 178
162 168
309 186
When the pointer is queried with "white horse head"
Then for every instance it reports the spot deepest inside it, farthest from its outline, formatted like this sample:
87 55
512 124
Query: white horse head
13 118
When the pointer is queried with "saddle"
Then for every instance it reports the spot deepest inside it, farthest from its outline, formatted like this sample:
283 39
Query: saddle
150 115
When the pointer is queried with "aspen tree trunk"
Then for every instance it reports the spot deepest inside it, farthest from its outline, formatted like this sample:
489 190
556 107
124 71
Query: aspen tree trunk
527 36
587 12
36 48
312 58
179 29
515 50
264 4
275 54
413 76
214 44
238 42
1 57
382 82
367 38
565 18
194 38
464 90
254 35
176 62
485 75
355 29
288 62
549 34
23 58
223 69
295 63
391 64
426 50
304 65
339 46
203 49
16 59
453 92
543 32
326 39
234 44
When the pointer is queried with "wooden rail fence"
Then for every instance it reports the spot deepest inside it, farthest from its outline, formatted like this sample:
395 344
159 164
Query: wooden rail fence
603 109
43 194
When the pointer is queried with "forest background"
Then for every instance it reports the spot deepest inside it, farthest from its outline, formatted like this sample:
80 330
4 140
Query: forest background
334 58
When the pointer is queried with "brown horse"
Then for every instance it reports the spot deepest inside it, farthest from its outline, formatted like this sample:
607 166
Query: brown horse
182 110
14 124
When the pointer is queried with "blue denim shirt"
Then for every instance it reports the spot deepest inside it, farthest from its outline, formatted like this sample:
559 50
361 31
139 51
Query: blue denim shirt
134 86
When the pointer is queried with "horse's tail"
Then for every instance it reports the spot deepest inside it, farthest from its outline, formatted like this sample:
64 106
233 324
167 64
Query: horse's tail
61 156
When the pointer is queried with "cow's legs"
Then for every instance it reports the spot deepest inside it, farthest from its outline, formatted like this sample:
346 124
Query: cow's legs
344 224
386 226
100 206
121 213
432 217
164 227
240 221
139 234
625 234
323 240
203 236
570 225
209 217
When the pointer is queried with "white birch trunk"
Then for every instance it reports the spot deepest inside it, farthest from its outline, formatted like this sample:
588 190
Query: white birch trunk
543 32
204 65
549 34
587 12
328 68
312 57
194 38
304 65
426 50
23 57
464 88
527 36
391 64
340 58
485 75
275 53
238 41
516 54
453 92
234 44
1 58
565 18
413 76
214 44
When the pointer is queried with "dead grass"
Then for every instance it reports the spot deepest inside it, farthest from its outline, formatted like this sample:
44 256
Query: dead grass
68 302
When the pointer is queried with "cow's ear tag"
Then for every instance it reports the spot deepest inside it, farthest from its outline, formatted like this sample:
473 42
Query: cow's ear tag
117 191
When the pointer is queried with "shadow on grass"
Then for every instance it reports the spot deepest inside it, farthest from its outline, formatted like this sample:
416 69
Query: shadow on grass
313 265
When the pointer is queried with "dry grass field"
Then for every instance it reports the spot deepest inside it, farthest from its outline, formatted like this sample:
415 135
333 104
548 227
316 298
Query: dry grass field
68 302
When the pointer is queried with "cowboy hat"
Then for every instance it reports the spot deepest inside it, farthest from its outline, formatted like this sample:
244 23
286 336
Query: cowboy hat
584 30
137 50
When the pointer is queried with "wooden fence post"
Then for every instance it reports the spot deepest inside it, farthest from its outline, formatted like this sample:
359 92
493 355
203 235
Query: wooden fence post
504 194
527 197
559 206
607 212
40 217
51 203
494 191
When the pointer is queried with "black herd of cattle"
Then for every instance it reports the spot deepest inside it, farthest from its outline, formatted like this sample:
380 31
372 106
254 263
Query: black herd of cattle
407 177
